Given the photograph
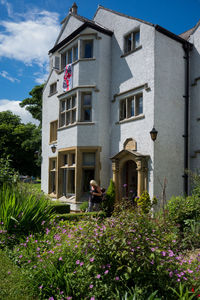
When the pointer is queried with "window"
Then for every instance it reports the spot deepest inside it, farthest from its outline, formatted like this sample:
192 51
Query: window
88 169
52 176
68 173
69 56
131 106
131 41
68 111
86 111
87 48
53 131
53 88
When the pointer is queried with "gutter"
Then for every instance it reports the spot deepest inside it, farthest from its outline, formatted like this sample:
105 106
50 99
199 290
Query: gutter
187 47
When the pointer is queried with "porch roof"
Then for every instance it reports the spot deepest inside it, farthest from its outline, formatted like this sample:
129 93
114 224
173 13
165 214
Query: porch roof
124 152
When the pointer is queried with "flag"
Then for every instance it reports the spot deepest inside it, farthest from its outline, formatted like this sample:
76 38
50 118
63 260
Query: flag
67 82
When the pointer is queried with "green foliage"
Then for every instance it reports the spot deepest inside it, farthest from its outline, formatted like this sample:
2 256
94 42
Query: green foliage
13 284
81 216
34 104
144 202
109 201
7 174
60 208
21 210
84 206
184 293
19 142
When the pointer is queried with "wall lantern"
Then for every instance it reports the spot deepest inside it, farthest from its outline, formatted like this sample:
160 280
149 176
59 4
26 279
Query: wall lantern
153 134
53 148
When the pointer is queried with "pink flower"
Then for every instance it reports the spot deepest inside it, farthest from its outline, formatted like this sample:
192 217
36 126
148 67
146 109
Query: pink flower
98 276
60 258
40 287
117 278
91 286
77 262
92 259
92 298
82 263
106 272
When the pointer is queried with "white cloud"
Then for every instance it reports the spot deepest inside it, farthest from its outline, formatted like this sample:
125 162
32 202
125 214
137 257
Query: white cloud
16 109
29 39
5 75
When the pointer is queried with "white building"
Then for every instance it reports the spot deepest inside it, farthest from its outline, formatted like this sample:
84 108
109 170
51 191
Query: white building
128 76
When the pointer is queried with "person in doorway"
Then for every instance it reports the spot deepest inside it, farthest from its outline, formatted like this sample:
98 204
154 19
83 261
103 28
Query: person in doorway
95 197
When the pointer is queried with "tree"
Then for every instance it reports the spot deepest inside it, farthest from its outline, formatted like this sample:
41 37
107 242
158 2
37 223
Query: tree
34 104
19 142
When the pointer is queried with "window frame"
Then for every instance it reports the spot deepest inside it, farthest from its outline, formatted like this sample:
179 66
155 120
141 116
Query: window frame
65 55
69 110
85 107
133 45
53 88
125 107
53 131
53 175
84 42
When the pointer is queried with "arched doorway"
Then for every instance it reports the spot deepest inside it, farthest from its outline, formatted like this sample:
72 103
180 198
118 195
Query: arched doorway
129 179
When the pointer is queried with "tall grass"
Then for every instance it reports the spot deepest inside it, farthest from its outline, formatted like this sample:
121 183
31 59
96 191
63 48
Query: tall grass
22 210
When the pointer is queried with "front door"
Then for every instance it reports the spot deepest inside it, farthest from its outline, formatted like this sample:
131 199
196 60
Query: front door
129 179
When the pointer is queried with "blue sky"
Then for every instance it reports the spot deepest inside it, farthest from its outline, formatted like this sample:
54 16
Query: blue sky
28 29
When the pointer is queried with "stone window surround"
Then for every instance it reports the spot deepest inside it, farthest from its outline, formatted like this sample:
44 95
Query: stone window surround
78 91
52 89
51 169
126 101
53 131
77 41
78 150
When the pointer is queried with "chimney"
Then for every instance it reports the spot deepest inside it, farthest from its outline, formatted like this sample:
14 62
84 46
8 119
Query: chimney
74 8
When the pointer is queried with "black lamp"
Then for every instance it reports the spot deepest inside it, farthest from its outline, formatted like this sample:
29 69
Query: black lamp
153 134
53 148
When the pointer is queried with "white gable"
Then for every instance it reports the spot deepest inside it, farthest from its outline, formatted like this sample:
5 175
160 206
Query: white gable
69 26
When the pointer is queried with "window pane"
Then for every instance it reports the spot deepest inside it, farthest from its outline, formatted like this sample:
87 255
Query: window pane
73 116
75 53
140 105
88 49
73 101
132 107
62 119
87 114
128 43
63 106
65 159
67 118
137 39
87 99
73 158
89 159
123 110
69 52
53 182
71 182
64 182
68 103
63 60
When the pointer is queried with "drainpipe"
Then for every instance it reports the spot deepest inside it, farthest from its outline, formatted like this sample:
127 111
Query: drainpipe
187 47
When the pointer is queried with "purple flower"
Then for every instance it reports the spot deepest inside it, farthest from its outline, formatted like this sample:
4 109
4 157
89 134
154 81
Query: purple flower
82 263
77 262
163 253
69 298
124 185
92 259
91 286
60 258
106 272
92 298
51 298
117 278
47 231
9 272
40 287
98 276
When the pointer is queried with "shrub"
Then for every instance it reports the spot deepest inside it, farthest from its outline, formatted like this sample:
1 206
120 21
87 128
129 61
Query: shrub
80 216
7 174
60 208
109 201
23 211
84 206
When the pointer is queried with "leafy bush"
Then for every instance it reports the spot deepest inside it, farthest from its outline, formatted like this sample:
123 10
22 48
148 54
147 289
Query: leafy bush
84 206
60 208
108 203
7 174
181 209
21 210
103 259
80 216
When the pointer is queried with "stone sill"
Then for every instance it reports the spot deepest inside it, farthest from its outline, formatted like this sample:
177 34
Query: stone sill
132 51
139 117
75 124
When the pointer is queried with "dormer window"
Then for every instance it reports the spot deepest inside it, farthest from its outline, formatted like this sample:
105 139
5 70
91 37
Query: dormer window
131 41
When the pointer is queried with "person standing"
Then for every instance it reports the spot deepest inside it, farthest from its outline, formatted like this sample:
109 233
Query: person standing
95 196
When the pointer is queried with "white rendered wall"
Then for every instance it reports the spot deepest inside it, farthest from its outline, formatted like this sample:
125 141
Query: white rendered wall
130 72
68 27
169 115
195 101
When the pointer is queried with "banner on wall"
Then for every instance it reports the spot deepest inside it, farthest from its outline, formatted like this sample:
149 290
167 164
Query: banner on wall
67 81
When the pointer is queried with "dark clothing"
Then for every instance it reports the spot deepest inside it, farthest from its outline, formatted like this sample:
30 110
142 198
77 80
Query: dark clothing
95 198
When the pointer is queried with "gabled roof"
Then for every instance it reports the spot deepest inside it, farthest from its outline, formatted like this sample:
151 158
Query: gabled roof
186 35
122 15
87 23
